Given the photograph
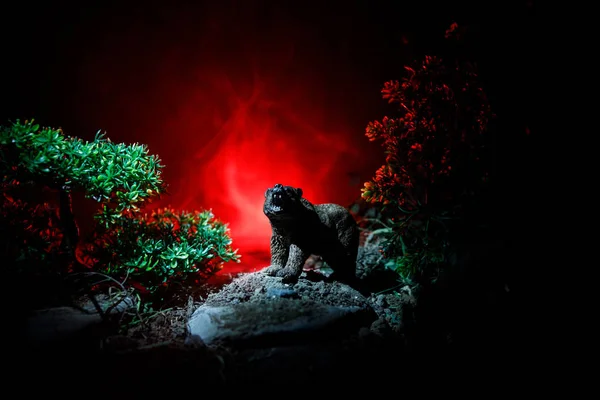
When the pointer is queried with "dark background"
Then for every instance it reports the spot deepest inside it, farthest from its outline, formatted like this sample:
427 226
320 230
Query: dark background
238 95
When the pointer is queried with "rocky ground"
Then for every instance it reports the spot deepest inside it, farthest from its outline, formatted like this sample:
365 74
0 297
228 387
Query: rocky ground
254 331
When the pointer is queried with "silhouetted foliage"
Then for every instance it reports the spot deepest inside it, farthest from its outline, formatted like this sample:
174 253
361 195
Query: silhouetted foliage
437 163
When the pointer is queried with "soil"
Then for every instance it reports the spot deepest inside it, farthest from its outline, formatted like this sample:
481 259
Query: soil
157 354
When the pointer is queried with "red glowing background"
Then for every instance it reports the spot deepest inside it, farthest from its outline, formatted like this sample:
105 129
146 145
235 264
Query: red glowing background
232 105
235 96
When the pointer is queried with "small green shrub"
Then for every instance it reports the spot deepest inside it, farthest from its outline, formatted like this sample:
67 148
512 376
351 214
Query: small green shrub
41 168
162 249
118 176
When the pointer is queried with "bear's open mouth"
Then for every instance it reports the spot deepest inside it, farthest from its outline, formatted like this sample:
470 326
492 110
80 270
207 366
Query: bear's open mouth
278 202
276 209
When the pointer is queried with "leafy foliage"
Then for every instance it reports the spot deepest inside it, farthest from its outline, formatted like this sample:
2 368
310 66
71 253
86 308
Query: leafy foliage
30 234
437 162
163 248
119 176
150 250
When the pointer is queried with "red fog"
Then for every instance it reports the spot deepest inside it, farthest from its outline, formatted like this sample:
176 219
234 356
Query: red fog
233 105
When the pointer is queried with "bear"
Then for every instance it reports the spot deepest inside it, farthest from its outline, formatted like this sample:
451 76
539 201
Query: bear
300 228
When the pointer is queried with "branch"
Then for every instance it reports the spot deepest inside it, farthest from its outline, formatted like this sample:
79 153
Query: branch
104 313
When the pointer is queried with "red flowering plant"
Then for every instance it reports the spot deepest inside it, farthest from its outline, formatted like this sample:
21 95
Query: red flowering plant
436 163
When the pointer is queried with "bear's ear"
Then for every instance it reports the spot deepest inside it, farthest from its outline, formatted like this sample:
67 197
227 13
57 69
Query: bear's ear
267 192
299 191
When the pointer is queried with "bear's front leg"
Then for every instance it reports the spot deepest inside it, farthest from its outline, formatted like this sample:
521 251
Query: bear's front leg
280 249
293 267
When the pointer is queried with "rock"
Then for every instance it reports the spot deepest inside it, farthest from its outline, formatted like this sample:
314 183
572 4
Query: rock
257 286
67 325
282 332
259 308
274 292
57 324
276 321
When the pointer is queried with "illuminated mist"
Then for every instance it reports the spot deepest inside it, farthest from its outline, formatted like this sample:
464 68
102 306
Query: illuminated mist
232 105
235 96
259 139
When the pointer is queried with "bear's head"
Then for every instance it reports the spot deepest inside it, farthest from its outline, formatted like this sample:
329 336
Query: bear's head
282 202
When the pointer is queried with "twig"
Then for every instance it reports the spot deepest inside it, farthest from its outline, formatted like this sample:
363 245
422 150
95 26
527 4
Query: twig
388 289
94 301
155 345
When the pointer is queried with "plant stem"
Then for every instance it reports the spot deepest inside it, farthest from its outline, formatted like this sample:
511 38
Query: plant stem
67 219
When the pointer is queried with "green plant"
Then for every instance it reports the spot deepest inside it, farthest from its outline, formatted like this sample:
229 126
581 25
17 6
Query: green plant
163 249
41 169
436 167
119 176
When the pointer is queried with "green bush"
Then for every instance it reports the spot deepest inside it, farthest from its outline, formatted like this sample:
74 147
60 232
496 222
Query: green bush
162 249
120 177
41 169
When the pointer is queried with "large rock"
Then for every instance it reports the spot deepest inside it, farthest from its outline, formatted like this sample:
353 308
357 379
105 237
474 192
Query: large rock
71 326
58 324
282 332
262 309
276 320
